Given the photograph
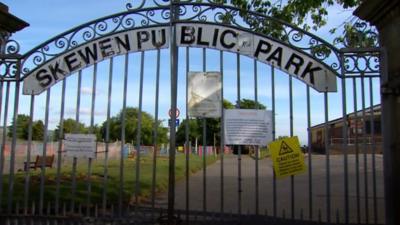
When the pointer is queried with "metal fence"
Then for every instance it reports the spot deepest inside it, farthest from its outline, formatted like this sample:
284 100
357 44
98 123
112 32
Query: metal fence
203 185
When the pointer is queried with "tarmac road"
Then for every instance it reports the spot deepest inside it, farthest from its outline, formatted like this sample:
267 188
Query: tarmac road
358 210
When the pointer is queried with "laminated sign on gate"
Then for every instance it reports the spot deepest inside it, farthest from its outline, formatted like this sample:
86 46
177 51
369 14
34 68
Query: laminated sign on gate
204 94
80 145
287 157
247 126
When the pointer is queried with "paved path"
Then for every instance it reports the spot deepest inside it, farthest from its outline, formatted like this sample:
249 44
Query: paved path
283 189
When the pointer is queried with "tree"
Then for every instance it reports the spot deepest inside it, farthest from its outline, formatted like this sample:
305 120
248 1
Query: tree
310 15
70 126
22 122
250 104
131 122
37 130
22 129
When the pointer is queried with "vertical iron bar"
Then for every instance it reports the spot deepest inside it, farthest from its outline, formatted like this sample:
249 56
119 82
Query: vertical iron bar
239 147
204 152
372 118
356 146
345 144
364 145
187 137
3 144
121 166
153 186
60 144
43 168
274 197
291 135
139 130
257 147
13 147
105 181
222 146
75 159
89 183
174 82
327 154
309 150
28 156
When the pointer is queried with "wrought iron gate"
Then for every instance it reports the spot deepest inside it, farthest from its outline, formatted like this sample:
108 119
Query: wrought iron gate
83 85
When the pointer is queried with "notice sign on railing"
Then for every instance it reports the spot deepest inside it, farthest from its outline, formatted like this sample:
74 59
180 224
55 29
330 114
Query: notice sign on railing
247 127
80 145
287 157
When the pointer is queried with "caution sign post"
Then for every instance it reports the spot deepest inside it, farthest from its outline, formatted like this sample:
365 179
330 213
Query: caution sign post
287 157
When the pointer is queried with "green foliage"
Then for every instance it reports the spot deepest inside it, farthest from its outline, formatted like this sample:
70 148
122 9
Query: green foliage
22 129
70 126
131 123
308 14
250 104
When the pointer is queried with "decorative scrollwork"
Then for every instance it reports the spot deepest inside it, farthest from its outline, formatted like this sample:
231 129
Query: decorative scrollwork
135 5
362 63
123 21
143 13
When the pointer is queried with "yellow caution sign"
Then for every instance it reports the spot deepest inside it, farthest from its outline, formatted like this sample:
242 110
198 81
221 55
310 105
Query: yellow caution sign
287 157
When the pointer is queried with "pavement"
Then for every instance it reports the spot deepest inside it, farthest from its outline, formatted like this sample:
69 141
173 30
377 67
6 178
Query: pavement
293 199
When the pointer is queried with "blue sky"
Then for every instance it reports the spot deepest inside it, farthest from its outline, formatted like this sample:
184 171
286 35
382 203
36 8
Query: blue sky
47 18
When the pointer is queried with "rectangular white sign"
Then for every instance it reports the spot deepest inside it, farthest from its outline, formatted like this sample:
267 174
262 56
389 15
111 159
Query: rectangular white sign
204 94
247 126
80 145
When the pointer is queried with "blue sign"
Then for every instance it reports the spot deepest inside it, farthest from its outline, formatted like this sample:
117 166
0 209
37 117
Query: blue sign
176 122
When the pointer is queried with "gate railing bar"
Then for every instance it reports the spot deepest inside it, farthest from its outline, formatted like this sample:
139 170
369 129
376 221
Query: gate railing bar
43 168
187 146
121 166
1 103
292 192
274 197
28 156
373 146
222 138
153 184
13 144
257 147
3 144
76 130
204 151
364 145
60 143
107 141
357 151
139 129
309 150
327 154
174 54
239 147
372 118
90 160
345 152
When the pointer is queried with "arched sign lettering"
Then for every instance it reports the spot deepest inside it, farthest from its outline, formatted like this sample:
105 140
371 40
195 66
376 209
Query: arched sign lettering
291 60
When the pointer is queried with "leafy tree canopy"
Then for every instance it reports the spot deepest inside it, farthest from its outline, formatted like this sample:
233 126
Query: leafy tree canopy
22 129
131 127
311 15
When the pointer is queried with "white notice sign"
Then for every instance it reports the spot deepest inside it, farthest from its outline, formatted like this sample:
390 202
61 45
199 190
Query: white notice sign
80 145
247 126
204 94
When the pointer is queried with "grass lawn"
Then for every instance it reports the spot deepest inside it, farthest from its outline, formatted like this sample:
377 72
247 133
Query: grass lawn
97 180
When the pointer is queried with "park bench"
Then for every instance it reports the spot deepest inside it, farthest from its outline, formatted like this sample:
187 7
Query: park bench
48 162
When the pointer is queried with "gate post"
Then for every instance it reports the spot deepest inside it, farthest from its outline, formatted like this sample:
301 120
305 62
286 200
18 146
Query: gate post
8 24
385 15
